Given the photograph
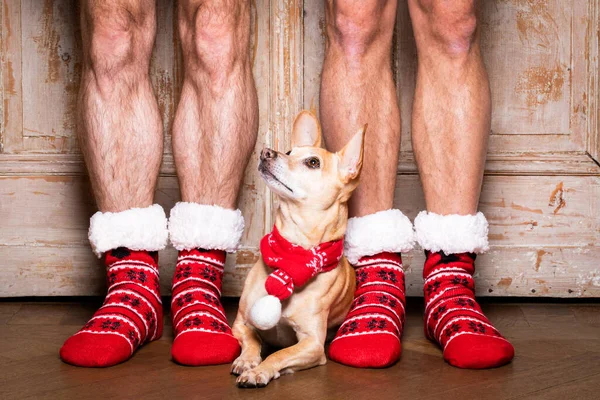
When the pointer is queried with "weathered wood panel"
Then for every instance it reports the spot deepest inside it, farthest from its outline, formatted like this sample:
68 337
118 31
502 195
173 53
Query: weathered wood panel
504 271
539 53
542 61
543 232
541 192
551 47
12 93
50 75
41 41
579 164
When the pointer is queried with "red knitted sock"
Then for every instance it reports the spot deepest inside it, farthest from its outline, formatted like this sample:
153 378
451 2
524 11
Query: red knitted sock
370 334
130 316
202 334
453 318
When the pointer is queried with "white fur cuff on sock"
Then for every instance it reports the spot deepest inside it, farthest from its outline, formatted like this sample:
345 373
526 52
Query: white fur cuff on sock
193 225
389 231
136 229
452 233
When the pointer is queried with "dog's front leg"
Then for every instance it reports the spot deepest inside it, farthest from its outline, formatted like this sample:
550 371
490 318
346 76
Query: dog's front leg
307 353
251 347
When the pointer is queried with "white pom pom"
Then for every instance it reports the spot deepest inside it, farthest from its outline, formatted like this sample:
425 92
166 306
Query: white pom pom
266 312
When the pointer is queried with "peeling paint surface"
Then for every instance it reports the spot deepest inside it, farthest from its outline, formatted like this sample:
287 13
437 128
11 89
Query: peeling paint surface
538 259
48 42
557 199
540 85
535 23
505 283
530 43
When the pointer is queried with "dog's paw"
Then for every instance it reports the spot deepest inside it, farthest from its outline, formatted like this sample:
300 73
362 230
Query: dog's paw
257 377
244 363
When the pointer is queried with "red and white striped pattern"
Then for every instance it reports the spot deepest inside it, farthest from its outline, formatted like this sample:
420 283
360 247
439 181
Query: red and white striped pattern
279 284
450 306
131 312
294 266
196 305
376 316
202 334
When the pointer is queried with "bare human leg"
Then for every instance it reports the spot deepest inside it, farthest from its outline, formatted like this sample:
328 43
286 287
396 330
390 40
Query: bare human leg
216 122
450 129
214 133
357 87
452 107
121 139
119 124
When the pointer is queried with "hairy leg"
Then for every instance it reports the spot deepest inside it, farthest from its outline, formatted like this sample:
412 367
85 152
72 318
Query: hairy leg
120 134
214 133
452 107
118 119
357 88
451 125
216 121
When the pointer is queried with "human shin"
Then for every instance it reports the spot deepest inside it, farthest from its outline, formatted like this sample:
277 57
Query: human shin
202 234
453 318
370 335
131 314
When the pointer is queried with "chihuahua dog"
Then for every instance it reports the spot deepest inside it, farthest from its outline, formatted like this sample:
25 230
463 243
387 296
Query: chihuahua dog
313 187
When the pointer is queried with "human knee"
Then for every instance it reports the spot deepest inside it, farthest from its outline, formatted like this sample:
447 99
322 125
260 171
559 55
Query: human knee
120 38
450 25
218 34
358 25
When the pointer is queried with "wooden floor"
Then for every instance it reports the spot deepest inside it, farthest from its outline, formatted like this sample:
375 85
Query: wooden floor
557 346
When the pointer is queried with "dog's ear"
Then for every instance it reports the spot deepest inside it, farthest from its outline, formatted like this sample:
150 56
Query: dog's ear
351 156
306 131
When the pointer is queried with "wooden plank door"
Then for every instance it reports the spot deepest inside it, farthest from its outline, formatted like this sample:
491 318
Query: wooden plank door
542 185
45 198
541 191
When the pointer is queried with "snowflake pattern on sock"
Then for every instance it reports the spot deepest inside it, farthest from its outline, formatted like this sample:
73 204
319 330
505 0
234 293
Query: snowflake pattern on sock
202 333
370 334
451 312
132 311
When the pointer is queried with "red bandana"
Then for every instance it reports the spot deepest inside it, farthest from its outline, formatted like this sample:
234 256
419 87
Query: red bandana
294 265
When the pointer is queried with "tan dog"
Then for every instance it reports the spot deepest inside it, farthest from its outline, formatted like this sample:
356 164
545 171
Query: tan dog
313 186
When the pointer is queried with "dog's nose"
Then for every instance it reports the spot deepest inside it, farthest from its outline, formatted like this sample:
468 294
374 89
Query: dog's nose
268 154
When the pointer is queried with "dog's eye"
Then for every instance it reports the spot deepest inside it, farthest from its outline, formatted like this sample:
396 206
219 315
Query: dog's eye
288 153
312 162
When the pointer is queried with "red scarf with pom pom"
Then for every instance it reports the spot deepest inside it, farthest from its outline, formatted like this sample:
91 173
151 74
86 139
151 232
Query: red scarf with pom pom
295 265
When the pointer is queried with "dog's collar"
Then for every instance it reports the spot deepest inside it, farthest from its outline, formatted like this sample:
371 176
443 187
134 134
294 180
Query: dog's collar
294 265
